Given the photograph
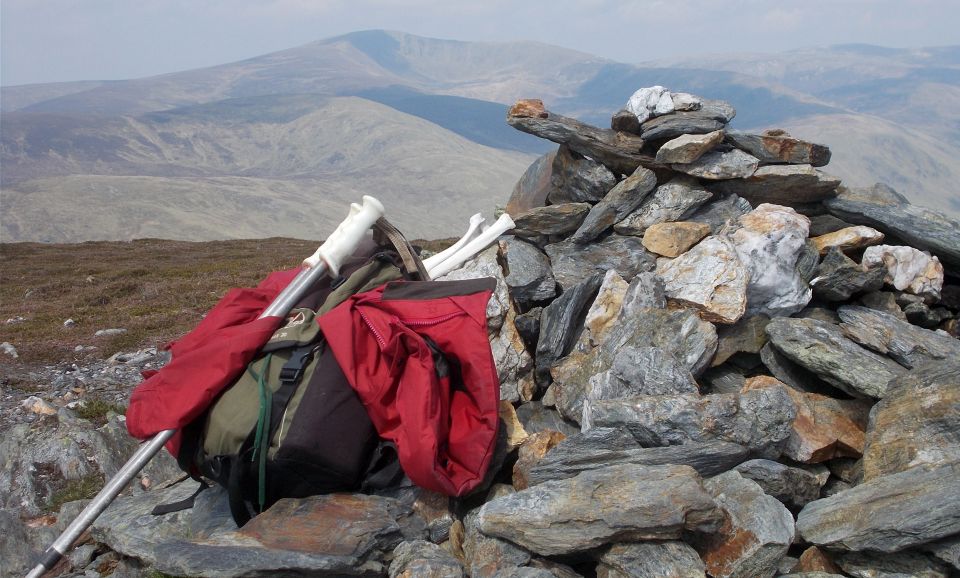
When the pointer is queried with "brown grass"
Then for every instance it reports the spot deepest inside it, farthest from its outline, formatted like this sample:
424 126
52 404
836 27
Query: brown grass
155 289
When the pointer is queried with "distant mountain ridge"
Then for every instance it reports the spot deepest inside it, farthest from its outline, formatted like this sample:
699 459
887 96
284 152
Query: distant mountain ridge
427 129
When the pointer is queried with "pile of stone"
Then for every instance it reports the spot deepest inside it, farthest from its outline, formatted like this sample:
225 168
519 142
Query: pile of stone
714 361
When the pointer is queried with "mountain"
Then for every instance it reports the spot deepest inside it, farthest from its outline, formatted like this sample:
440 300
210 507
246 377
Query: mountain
236 150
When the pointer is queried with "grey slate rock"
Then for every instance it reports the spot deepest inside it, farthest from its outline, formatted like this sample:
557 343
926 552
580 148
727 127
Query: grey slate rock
529 277
713 115
808 262
488 556
533 187
614 504
722 210
946 550
822 348
720 165
885 301
897 565
889 513
577 179
625 121
757 535
770 149
550 220
535 417
423 558
838 277
747 336
646 291
724 379
883 208
328 535
668 203
759 420
794 487
601 447
641 371
823 224
572 262
682 333
561 324
903 342
789 185
619 202
662 559
528 326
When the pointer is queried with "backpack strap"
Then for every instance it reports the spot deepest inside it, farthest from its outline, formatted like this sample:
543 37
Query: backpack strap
411 262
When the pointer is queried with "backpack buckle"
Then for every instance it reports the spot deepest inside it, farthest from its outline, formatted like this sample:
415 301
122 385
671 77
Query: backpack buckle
292 371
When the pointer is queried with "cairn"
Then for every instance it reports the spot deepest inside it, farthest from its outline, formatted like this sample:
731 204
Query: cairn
715 360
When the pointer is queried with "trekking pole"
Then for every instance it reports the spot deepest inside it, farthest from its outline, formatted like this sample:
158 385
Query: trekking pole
338 246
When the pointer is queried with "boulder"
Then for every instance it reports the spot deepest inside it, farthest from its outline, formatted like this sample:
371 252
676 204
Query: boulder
668 202
486 556
668 559
790 185
757 533
780 148
619 202
882 207
615 504
814 559
888 513
577 179
710 278
687 148
674 239
821 348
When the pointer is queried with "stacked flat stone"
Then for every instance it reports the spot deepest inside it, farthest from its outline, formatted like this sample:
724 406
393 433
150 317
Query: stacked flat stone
714 360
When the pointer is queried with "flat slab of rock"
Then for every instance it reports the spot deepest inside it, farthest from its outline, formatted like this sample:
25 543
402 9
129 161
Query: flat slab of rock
668 202
780 148
794 487
848 238
550 220
577 179
889 211
572 262
905 343
789 185
687 148
615 504
328 535
670 126
720 165
619 202
918 422
759 420
710 278
757 534
662 559
888 513
601 447
822 348
873 565
560 324
533 187
674 239
618 151
769 243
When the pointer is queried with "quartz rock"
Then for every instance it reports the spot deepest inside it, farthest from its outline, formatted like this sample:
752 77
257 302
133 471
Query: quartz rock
769 242
887 210
782 184
918 423
888 513
618 503
619 202
908 269
758 532
903 342
669 202
572 263
794 487
848 238
822 348
720 165
534 185
759 420
577 179
688 148
674 239
781 148
670 559
644 101
711 278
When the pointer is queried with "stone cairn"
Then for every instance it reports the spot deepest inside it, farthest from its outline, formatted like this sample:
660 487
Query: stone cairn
714 359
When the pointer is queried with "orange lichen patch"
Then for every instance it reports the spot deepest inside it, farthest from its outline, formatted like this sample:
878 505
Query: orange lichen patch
723 555
528 108
814 559
531 452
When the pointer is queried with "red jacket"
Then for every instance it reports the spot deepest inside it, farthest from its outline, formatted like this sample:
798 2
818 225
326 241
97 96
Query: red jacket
444 423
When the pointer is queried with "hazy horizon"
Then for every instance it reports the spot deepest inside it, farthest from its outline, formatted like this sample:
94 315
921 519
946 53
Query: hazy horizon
45 41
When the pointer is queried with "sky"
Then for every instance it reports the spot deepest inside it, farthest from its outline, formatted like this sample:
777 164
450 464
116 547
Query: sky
66 40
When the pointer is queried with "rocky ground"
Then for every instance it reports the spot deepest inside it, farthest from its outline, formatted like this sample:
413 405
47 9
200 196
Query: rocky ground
714 361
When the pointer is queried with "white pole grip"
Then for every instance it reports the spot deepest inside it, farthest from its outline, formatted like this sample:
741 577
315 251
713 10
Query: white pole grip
343 241
501 226
472 231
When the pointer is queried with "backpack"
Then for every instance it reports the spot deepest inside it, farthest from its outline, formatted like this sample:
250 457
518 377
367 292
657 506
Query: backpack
291 425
